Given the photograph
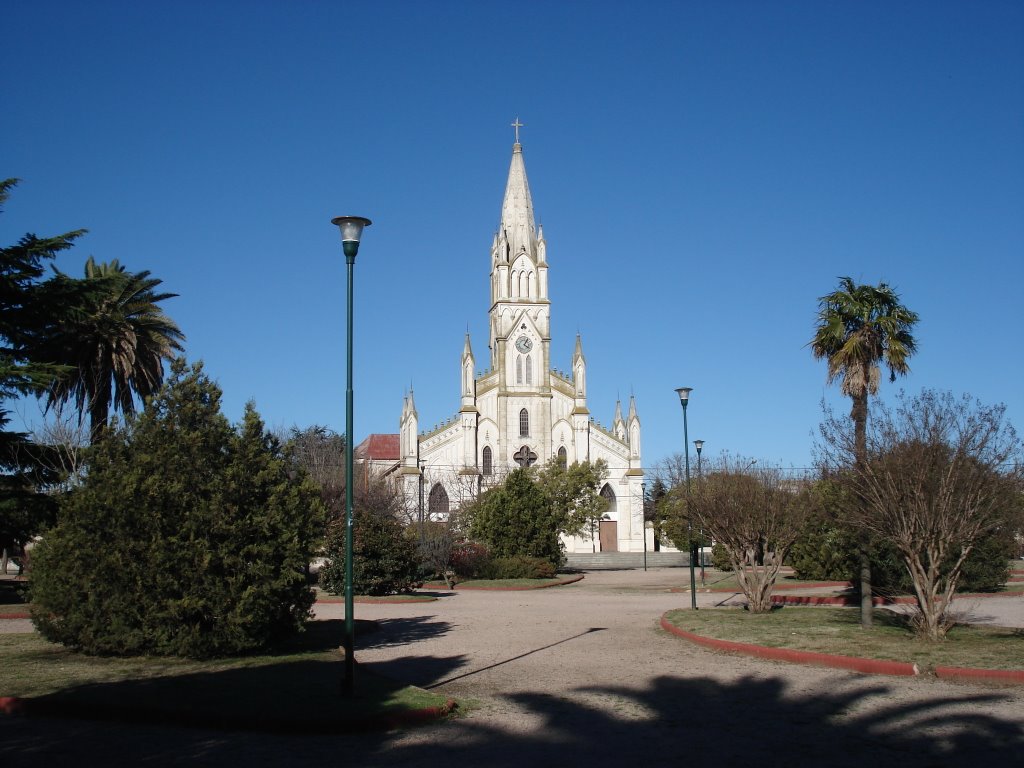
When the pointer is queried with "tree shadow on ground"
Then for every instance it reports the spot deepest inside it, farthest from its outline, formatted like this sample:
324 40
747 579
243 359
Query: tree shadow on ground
850 721
328 634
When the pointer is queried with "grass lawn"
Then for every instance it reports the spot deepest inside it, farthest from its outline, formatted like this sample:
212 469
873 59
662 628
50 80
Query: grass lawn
297 689
726 580
837 631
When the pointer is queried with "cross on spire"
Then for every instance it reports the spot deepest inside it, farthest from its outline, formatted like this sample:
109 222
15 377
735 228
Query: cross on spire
517 125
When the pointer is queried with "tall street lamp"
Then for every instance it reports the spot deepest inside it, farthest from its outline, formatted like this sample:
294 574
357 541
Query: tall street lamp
351 230
699 445
684 398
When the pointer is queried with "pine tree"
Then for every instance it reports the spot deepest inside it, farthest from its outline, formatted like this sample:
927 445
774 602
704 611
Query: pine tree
186 538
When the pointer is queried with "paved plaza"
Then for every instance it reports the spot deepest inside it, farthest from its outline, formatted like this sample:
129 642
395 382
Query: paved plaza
582 675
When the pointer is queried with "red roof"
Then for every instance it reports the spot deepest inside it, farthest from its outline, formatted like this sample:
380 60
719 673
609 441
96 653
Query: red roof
379 448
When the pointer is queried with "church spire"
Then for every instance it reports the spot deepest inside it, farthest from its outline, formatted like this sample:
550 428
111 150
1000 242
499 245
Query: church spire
517 220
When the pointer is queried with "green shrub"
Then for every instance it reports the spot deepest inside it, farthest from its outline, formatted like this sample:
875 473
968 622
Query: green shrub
470 559
824 551
516 518
518 567
985 569
385 561
720 558
186 538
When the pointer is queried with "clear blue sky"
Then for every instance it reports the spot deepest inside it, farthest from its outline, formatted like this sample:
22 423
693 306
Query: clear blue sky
705 169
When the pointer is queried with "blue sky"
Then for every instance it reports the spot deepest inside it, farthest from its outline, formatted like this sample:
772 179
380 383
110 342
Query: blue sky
706 170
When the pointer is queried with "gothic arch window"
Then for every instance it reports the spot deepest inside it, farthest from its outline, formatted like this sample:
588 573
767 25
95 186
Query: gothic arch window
529 369
609 495
519 369
524 284
515 284
488 461
533 285
438 503
563 457
524 423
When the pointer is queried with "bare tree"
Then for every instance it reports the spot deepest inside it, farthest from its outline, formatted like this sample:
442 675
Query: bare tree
755 514
939 474
321 452
59 444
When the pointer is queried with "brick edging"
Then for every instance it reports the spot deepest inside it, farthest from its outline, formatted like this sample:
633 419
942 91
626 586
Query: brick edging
25 615
869 666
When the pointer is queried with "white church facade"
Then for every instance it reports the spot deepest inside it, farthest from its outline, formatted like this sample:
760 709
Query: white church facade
520 411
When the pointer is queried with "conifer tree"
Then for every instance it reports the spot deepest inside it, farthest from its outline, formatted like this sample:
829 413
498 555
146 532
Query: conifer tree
186 538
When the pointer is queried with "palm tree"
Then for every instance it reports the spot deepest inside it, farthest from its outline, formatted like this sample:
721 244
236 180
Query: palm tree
860 327
114 343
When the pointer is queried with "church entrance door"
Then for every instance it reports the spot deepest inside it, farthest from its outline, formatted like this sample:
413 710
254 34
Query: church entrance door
609 536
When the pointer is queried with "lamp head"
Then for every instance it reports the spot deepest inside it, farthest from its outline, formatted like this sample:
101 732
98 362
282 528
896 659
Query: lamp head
351 231
684 394
698 444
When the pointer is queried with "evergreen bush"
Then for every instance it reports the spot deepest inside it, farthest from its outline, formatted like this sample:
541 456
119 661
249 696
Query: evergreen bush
186 538
518 567
385 560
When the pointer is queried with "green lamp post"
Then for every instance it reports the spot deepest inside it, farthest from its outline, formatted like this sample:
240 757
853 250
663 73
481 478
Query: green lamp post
351 230
684 398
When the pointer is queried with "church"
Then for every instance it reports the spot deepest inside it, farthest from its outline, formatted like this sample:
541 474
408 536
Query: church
519 411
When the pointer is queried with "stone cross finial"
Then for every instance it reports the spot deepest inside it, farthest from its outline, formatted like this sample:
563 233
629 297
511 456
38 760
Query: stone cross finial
517 125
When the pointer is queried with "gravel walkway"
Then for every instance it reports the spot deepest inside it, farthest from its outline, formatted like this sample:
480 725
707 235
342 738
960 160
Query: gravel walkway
582 675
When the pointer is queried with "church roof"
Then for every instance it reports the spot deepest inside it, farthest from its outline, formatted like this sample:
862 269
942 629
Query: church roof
379 447
517 221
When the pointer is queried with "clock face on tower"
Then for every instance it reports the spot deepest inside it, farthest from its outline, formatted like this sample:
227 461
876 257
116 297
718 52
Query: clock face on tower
523 344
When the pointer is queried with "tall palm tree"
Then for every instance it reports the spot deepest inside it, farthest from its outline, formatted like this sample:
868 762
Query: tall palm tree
114 343
860 327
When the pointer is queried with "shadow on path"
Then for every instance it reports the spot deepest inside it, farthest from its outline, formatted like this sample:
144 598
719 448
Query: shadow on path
673 720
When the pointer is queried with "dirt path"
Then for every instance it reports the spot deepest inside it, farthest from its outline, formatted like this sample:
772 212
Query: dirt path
581 675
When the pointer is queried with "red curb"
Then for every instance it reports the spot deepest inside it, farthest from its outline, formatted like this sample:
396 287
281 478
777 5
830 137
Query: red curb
966 673
869 666
15 615
12 705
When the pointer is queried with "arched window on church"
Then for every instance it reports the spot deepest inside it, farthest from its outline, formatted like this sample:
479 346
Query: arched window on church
524 284
515 285
488 461
438 503
609 495
532 285
563 457
529 369
519 369
524 423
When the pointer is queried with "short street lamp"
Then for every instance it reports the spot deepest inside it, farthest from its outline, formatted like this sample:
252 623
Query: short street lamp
684 398
351 230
